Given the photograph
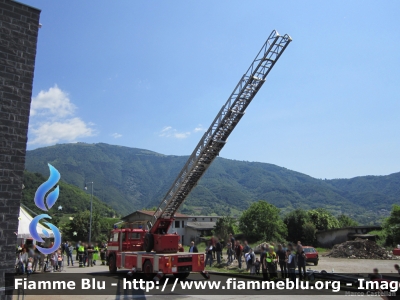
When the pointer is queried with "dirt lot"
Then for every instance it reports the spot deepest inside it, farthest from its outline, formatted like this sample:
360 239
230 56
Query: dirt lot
347 265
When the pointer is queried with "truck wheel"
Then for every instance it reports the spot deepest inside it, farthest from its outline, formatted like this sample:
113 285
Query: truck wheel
112 264
148 270
316 263
148 242
181 276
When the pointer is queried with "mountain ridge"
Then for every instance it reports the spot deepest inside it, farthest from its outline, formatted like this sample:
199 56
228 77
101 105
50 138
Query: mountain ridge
131 178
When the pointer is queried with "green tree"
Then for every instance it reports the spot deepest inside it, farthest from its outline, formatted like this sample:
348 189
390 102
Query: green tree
261 221
391 226
322 219
346 221
224 226
309 231
295 221
81 224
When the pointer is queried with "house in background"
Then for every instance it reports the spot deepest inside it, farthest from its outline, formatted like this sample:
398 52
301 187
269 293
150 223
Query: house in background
189 228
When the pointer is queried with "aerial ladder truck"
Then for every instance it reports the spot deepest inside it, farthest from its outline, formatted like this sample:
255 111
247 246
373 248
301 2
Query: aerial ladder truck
155 251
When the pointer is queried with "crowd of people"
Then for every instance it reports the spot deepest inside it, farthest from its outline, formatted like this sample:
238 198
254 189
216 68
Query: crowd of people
29 259
272 258
287 258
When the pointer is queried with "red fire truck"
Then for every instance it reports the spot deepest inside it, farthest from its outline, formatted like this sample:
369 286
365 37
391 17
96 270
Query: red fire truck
153 250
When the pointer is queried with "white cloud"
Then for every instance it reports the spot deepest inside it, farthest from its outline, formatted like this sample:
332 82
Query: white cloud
116 135
182 135
168 131
53 132
199 128
53 102
52 119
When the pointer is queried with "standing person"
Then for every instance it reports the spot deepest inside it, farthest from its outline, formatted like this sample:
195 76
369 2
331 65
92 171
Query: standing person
252 262
233 244
95 254
218 250
257 266
293 252
41 261
80 253
68 251
23 260
282 260
263 261
90 255
271 263
85 254
246 250
301 261
36 258
103 254
239 253
209 256
229 252
193 248
59 256
54 260
291 265
213 245
77 250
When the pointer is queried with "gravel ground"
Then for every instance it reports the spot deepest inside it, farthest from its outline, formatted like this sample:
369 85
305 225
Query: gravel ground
348 265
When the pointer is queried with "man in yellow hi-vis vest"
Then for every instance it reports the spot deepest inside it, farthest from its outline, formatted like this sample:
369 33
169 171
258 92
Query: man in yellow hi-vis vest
95 254
81 252
270 258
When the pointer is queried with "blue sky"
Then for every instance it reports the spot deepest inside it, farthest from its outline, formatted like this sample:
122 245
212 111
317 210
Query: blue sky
154 74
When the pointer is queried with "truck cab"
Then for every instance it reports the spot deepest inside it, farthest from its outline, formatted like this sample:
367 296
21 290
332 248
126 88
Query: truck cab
126 239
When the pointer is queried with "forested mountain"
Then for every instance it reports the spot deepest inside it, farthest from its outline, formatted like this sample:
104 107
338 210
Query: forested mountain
71 199
129 179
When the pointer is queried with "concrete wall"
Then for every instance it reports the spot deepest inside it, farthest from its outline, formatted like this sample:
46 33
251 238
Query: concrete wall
192 235
18 39
331 237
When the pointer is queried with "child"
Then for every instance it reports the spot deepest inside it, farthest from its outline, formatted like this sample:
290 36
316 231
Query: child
257 265
53 259
29 266
59 259
291 263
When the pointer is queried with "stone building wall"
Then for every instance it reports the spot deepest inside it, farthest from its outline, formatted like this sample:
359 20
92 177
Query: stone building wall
19 25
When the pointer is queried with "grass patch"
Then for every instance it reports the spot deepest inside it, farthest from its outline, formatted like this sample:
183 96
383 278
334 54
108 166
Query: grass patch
322 250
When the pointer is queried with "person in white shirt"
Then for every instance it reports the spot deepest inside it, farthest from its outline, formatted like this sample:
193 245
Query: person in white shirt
209 256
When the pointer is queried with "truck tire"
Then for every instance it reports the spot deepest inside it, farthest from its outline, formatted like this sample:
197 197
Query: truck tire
181 276
112 264
148 242
316 263
148 270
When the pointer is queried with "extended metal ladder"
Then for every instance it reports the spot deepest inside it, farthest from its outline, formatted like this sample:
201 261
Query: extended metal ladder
216 136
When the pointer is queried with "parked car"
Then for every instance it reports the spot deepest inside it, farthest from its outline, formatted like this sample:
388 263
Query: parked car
311 254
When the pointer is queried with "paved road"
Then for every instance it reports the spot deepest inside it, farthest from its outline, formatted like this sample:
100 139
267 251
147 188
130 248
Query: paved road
118 293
